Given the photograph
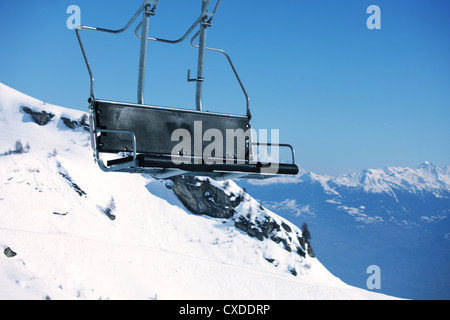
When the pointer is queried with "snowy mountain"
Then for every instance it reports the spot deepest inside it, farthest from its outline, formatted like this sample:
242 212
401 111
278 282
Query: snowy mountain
70 231
396 218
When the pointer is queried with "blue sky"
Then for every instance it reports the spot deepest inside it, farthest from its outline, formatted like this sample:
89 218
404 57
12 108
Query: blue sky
344 96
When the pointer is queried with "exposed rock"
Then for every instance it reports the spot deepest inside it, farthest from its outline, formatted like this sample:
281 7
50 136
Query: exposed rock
286 227
110 215
74 124
310 250
301 253
60 213
42 118
9 253
75 187
293 271
201 197
302 241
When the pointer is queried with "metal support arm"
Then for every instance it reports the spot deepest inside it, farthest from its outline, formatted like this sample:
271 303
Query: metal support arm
136 33
249 113
201 55
143 51
195 24
146 6
205 21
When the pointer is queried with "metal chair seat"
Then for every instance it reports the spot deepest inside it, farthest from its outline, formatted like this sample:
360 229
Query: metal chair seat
143 134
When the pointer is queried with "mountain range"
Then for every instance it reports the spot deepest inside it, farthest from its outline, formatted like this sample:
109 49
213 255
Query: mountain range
397 218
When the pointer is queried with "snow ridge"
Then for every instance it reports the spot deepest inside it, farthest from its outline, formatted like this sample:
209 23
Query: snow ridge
427 177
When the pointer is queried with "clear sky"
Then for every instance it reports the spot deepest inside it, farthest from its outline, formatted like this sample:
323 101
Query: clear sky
344 96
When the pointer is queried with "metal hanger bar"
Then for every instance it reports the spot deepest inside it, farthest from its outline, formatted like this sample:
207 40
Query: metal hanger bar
91 76
143 51
212 15
135 16
201 55
147 12
204 20
169 41
116 31
249 114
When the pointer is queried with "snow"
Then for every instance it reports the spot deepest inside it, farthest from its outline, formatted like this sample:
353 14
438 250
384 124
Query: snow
52 214
425 178
359 215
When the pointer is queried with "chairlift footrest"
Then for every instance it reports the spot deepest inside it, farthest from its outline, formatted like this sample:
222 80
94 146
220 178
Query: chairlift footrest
166 162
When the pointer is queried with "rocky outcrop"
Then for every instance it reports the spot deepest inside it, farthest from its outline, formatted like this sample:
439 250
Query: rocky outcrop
216 199
9 253
63 173
74 124
264 226
310 250
42 118
200 196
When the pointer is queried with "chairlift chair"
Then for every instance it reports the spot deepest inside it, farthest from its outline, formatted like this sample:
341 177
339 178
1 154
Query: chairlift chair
139 135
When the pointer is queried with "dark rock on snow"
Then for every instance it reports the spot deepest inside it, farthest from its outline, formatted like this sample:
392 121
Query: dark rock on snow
9 253
42 118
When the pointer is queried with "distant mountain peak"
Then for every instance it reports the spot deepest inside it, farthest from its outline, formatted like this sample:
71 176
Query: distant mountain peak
426 165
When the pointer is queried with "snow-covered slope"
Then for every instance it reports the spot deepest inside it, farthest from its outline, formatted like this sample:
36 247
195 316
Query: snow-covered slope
58 242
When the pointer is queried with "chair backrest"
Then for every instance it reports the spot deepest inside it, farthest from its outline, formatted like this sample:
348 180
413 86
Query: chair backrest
153 128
